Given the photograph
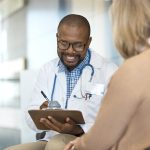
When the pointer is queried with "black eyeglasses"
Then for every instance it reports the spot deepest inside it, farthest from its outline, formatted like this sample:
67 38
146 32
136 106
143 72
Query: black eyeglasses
64 45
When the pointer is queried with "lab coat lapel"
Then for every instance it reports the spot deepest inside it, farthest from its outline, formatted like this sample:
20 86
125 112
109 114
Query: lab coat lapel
61 85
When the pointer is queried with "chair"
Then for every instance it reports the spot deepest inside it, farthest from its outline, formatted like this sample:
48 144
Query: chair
40 135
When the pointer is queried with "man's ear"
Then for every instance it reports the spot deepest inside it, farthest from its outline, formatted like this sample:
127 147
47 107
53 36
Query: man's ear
89 41
56 34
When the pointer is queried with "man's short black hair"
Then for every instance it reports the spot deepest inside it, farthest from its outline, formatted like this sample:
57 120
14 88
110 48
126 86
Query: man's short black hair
75 20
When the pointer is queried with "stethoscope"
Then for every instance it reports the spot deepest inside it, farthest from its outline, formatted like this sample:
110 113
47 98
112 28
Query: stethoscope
91 77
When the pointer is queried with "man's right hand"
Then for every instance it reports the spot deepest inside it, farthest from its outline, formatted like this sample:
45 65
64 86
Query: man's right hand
44 105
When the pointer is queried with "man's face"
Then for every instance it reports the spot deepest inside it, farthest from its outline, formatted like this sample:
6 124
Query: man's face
72 44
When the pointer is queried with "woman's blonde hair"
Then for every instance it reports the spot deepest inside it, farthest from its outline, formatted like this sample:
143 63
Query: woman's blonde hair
131 25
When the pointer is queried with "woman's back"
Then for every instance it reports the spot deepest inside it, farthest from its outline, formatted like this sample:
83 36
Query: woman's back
137 133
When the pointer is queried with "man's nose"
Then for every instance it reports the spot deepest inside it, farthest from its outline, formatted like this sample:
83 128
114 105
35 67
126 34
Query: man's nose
70 48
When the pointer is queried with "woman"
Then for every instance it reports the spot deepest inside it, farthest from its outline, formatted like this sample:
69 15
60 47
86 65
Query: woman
123 123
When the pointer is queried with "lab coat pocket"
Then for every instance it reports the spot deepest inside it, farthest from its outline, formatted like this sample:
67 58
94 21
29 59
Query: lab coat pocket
93 102
95 89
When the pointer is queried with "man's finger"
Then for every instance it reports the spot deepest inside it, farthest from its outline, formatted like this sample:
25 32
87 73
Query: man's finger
70 121
49 124
45 123
44 105
55 122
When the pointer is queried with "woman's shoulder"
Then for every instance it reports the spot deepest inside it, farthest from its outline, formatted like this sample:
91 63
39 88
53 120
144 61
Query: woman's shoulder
134 70
138 63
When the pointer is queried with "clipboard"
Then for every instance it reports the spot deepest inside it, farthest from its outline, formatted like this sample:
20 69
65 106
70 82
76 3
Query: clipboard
58 114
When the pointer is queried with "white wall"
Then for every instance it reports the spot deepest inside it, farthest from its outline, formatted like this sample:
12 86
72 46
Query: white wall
41 30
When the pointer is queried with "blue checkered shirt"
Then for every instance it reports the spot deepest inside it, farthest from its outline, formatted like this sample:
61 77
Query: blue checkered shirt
72 76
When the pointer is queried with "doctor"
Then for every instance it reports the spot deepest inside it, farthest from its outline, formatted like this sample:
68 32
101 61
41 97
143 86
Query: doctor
77 80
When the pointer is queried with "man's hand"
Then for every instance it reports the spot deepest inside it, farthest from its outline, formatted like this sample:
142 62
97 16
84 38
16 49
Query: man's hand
69 127
44 105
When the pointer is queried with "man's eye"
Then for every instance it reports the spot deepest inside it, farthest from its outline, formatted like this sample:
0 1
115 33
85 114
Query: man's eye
78 45
63 42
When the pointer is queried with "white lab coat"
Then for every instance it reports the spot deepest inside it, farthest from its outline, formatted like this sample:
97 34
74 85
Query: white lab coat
103 70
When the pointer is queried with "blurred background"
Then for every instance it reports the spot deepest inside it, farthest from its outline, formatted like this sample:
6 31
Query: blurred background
27 41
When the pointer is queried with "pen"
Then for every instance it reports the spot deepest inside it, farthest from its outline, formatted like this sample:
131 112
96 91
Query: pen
51 104
44 96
